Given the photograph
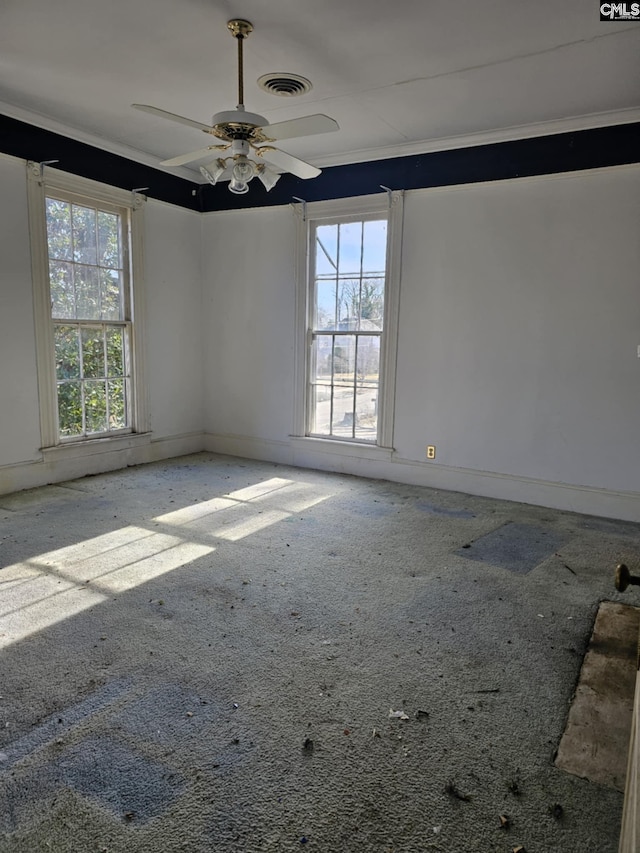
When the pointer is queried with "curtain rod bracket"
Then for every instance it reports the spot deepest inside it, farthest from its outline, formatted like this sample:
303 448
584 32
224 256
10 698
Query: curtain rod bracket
304 206
44 163
389 194
137 199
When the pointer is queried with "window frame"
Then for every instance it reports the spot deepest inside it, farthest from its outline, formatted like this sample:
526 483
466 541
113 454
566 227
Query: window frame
309 216
44 182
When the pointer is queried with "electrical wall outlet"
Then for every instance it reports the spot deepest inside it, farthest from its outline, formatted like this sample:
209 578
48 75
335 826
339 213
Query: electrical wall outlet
431 451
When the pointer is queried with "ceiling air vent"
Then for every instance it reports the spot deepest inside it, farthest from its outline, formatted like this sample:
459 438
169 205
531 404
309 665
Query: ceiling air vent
285 85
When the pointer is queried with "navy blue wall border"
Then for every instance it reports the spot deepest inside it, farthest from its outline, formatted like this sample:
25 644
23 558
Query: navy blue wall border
33 143
562 152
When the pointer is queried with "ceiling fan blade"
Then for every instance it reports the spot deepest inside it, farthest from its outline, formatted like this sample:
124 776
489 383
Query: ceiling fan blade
288 163
182 159
172 117
304 126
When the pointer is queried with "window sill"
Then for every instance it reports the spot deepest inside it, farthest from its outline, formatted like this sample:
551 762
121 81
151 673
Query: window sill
95 446
341 448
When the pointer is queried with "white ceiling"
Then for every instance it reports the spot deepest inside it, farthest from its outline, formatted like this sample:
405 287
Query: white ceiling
400 77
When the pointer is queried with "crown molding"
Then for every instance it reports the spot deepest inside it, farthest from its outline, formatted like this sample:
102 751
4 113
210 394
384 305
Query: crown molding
70 132
488 137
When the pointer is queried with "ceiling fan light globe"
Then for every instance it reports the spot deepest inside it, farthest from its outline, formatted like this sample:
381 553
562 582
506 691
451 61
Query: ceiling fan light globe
268 177
213 171
243 170
238 187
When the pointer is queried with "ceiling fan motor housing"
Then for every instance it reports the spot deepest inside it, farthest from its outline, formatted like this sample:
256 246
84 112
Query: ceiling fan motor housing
236 124
240 146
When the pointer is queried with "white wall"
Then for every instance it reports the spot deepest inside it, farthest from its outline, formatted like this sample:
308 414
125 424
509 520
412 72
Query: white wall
249 322
520 323
173 344
518 336
173 325
19 413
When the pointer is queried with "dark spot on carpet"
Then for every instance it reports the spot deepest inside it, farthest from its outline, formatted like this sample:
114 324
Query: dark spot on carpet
516 547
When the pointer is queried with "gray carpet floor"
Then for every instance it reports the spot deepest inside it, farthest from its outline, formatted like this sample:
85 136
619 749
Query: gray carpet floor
216 654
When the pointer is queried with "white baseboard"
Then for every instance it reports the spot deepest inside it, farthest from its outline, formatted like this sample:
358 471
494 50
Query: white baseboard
344 459
94 459
175 445
268 450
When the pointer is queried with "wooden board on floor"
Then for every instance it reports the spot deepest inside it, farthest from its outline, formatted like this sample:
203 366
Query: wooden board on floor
630 834
595 742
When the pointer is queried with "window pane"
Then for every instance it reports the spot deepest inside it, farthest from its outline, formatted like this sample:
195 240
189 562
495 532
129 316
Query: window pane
348 304
325 315
321 409
368 359
374 248
117 404
111 293
87 293
115 352
323 358
108 240
58 214
342 421
67 352
366 426
350 250
344 355
372 304
63 302
92 353
84 234
70 409
368 370
326 249
95 401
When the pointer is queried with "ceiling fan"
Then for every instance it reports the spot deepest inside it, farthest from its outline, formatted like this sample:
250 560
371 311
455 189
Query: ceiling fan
246 133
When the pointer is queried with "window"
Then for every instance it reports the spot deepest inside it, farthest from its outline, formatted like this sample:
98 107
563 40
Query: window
90 312
350 306
347 318
87 275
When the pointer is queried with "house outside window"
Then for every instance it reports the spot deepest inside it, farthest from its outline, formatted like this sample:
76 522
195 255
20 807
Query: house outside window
88 282
348 307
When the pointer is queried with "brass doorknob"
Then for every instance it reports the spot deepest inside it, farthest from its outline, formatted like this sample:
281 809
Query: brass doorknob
624 577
